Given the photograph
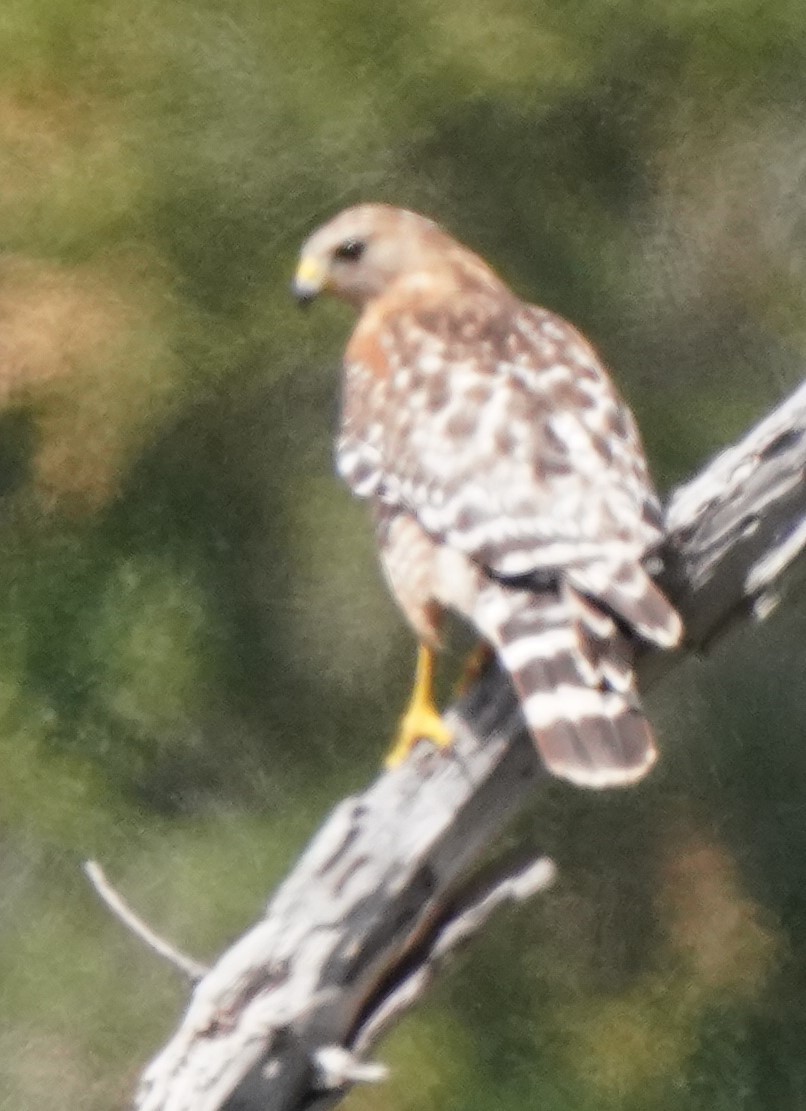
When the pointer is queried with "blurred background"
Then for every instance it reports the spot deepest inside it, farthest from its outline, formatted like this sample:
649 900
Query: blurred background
197 656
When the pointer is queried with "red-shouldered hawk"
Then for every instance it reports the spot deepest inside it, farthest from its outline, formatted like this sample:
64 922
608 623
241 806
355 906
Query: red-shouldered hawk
508 484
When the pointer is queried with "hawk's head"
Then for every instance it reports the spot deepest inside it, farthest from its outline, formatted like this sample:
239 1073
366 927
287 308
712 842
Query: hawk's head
361 252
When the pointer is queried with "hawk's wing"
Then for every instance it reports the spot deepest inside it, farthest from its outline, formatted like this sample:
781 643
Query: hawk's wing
498 428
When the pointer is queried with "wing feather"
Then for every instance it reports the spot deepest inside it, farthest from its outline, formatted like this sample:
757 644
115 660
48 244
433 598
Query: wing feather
496 425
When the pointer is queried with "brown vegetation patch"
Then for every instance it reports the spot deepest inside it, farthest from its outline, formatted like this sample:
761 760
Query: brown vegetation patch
720 932
81 347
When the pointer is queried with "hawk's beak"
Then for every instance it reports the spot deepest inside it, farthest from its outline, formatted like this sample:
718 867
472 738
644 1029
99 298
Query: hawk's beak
309 281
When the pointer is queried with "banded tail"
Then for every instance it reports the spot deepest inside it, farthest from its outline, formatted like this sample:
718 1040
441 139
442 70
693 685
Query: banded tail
571 662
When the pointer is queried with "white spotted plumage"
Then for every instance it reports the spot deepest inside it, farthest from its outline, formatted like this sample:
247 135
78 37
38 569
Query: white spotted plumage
509 484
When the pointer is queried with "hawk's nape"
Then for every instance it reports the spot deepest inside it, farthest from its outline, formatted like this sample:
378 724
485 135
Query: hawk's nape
508 481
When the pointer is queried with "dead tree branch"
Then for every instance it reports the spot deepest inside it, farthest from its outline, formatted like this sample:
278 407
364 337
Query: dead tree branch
353 936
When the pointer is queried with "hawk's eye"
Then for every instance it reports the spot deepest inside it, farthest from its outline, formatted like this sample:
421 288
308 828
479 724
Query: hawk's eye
350 251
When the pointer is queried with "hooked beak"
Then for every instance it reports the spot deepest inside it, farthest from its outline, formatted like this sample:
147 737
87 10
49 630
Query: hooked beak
309 281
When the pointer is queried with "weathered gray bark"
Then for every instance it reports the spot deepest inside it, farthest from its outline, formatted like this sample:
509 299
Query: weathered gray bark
353 936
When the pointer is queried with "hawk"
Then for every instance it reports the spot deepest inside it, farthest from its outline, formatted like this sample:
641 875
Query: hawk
507 482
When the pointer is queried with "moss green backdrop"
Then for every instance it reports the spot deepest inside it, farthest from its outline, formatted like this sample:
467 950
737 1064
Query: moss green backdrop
197 657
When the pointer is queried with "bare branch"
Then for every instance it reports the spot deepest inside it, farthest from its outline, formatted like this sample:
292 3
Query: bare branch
338 1068
186 965
515 887
354 934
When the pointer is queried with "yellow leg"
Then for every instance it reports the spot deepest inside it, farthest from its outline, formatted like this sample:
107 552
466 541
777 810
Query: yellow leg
421 720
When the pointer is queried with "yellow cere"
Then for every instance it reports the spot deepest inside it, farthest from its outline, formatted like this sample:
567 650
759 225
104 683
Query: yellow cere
310 272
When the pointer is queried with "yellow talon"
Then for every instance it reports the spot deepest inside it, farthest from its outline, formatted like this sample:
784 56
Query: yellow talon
421 721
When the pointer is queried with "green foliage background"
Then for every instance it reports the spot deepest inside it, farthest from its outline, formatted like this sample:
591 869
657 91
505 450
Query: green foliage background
197 658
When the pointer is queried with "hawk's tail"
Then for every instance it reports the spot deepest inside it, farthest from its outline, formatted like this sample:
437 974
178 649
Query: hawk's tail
626 590
572 667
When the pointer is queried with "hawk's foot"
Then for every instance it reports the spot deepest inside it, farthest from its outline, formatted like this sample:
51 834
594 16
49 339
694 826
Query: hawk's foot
419 724
422 721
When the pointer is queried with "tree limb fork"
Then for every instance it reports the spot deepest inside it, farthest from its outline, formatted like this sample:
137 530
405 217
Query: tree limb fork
389 885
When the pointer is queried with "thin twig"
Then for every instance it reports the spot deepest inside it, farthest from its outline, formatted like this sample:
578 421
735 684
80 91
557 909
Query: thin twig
186 965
